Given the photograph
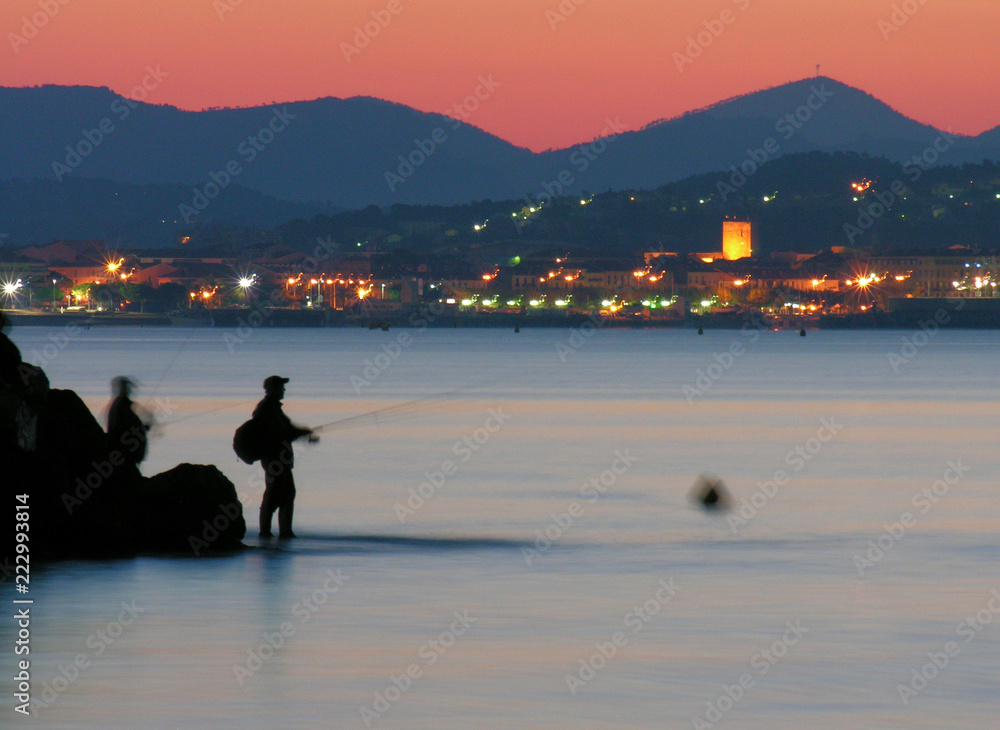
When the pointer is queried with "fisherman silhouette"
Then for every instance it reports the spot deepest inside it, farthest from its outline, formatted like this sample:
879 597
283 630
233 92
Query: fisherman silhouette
276 433
126 431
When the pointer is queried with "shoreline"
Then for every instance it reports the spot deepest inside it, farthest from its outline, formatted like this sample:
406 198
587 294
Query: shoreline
930 314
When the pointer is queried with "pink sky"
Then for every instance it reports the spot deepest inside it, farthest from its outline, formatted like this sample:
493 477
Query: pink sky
557 82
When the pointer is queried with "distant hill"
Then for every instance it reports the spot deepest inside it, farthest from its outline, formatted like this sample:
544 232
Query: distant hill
843 119
334 150
39 211
351 153
802 202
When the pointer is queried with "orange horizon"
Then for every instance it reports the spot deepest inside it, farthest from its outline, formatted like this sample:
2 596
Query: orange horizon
556 69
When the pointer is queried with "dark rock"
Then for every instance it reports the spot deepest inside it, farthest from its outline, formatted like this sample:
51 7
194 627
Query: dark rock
75 488
191 508
85 499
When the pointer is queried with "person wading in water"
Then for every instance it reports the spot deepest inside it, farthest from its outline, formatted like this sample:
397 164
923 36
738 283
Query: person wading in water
277 433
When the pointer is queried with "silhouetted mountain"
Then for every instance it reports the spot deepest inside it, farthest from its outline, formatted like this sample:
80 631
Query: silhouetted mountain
810 115
329 149
347 151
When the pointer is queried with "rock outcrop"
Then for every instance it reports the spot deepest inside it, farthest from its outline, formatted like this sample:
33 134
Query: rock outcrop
84 499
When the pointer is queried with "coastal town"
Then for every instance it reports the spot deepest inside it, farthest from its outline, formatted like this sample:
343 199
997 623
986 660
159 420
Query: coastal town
331 280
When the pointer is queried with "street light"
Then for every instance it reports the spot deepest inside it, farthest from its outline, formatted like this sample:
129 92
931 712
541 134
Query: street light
246 283
10 289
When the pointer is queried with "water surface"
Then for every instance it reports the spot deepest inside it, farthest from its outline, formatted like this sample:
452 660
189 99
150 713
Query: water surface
501 626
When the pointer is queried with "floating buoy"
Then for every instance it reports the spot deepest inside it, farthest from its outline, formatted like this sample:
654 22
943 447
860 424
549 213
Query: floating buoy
701 331
710 493
802 332
516 328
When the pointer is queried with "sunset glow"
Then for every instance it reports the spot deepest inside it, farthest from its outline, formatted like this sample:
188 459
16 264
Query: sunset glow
523 70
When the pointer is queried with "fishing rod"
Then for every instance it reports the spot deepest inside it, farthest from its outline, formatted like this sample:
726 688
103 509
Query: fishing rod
392 412
351 421
400 409
142 406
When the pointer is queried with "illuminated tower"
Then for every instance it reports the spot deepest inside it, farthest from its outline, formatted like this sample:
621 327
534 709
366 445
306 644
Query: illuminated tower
735 240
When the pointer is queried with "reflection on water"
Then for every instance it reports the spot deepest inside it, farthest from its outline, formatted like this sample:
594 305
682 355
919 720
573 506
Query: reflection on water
524 588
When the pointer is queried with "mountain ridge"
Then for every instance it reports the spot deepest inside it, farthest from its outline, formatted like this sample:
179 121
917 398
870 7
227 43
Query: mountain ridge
362 151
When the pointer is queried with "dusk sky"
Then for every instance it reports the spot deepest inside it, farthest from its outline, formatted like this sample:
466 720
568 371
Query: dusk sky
557 76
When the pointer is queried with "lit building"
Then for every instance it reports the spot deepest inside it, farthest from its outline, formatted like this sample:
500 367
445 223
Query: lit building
735 240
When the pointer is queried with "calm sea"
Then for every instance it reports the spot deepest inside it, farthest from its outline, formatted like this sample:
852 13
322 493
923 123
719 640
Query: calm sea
513 545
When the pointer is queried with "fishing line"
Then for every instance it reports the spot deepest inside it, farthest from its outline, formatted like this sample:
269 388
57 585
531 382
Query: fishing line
387 414
147 414
204 413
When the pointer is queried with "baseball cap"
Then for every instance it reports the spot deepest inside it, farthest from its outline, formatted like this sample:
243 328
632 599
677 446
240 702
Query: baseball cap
273 381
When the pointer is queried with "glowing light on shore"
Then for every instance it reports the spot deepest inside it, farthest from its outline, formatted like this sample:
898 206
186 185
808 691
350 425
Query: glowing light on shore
11 288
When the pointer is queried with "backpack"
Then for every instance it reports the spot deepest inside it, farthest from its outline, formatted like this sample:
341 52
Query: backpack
248 442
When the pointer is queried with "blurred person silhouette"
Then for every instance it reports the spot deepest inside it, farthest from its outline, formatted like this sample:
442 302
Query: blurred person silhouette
276 433
126 430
